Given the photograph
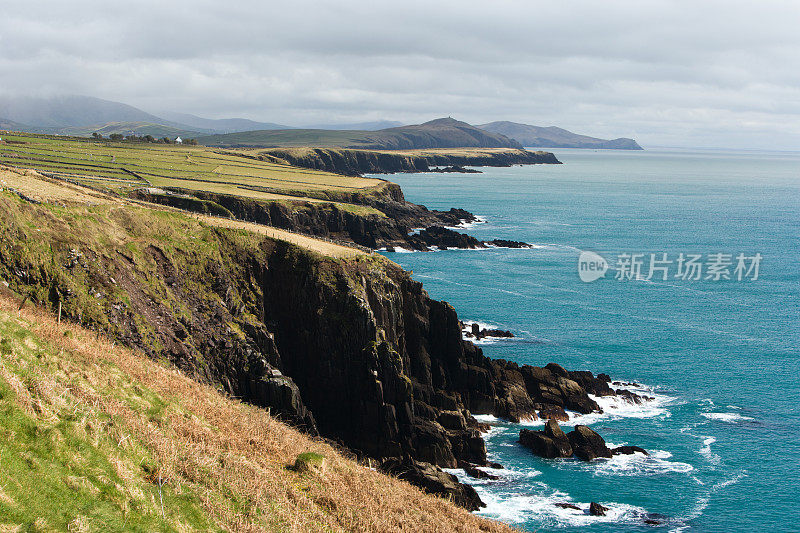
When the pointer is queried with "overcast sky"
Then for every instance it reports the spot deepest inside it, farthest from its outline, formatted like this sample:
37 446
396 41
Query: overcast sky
677 73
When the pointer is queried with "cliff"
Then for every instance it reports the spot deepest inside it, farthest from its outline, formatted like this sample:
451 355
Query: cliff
356 162
354 350
389 225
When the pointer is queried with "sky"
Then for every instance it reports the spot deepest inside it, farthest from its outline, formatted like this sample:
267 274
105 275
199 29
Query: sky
667 73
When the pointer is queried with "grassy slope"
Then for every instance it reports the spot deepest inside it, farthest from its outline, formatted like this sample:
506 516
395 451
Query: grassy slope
97 438
105 164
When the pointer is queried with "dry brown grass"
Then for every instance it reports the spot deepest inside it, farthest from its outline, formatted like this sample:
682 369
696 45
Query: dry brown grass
221 448
310 243
44 189
40 188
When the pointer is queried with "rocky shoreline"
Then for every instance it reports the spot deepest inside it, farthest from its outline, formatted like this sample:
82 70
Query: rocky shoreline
331 222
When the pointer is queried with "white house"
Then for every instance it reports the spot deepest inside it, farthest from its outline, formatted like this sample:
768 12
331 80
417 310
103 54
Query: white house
178 140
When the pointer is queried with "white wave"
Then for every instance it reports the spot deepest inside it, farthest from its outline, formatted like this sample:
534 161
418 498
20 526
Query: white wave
397 249
504 474
542 509
467 225
637 464
533 422
703 501
482 325
486 419
617 407
730 418
706 452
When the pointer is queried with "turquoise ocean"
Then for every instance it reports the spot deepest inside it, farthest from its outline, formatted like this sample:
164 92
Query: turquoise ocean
721 357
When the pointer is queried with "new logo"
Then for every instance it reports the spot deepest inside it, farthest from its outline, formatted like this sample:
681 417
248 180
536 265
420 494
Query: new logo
591 266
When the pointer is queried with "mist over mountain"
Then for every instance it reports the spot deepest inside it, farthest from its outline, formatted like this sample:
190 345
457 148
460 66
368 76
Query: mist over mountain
69 111
222 125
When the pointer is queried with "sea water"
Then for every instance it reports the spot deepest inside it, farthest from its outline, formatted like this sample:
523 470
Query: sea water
721 357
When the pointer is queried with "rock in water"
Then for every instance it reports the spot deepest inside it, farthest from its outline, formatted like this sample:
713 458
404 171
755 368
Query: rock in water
473 471
595 509
434 480
549 443
565 505
587 444
628 450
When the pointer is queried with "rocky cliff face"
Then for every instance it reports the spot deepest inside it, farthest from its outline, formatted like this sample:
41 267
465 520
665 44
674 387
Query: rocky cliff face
355 350
384 369
356 162
328 220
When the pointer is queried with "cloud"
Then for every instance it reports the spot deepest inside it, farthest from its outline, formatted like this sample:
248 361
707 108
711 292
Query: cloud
666 72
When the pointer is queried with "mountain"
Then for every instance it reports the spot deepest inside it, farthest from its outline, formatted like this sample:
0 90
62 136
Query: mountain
554 137
223 125
361 126
58 112
10 125
439 133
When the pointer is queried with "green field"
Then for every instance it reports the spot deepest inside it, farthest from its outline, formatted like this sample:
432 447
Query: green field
124 166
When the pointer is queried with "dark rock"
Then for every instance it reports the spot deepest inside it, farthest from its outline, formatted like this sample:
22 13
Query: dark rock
476 332
456 168
434 480
655 519
496 466
592 385
628 450
557 369
282 396
452 420
504 243
565 505
631 397
473 471
549 443
443 238
553 412
587 444
595 509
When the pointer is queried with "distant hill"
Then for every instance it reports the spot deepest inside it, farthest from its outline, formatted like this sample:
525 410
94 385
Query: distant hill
83 115
59 112
554 137
223 125
362 126
440 133
10 125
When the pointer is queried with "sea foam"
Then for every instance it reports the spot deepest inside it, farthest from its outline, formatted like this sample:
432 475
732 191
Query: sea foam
730 418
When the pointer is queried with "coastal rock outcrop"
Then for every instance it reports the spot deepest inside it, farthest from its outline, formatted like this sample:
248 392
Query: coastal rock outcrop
475 331
434 481
587 444
355 162
444 238
549 443
628 450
